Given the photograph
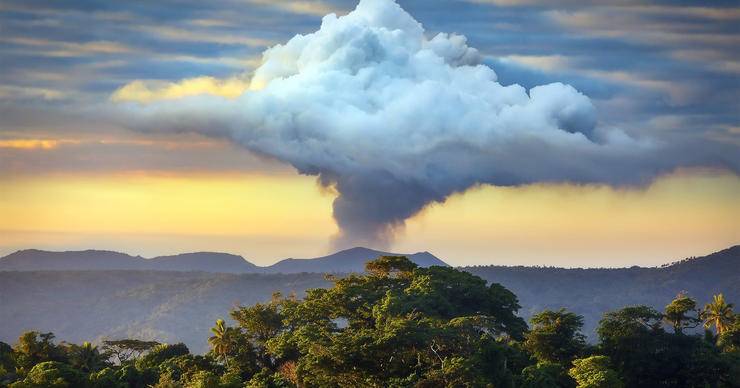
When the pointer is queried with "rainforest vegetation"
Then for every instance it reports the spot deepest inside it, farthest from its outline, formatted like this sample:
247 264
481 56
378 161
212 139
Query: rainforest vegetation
399 325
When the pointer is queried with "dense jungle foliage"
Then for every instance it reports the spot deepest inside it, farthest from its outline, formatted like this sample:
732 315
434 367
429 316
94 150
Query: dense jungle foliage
400 325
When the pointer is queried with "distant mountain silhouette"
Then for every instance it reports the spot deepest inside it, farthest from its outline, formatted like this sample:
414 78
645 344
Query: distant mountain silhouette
350 260
38 260
94 260
203 261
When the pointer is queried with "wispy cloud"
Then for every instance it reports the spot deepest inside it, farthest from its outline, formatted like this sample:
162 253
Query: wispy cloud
541 62
205 36
143 91
30 92
316 8
672 28
45 47
31 144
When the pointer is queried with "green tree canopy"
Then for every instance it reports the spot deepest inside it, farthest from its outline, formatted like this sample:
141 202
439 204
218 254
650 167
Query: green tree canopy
556 336
646 356
594 372
87 357
397 323
729 340
52 374
545 374
682 313
159 354
33 348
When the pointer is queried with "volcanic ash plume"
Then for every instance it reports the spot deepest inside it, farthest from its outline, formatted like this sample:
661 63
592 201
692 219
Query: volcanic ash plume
394 120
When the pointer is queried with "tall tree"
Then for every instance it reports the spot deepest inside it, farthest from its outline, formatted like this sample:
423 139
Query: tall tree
87 357
729 340
682 313
718 313
34 347
222 340
556 336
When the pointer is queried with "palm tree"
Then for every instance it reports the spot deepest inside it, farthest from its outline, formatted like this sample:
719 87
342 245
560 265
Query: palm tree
88 358
718 313
221 341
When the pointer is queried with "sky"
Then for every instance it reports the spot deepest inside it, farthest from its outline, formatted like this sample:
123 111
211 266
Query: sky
84 82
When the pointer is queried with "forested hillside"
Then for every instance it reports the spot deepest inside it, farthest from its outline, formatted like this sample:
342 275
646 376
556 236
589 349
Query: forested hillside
591 292
400 325
166 306
181 306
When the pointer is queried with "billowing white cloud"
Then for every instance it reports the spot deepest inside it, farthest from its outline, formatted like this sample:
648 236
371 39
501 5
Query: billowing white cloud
394 120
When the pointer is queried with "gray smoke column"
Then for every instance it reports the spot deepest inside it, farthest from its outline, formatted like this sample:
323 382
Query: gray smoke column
394 120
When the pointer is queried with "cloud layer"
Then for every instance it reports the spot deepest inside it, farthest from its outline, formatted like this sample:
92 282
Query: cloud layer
394 120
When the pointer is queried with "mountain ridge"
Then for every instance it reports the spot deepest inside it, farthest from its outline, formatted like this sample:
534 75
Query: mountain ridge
348 260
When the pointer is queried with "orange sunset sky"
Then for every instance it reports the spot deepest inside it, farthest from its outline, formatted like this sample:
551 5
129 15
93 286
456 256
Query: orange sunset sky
268 217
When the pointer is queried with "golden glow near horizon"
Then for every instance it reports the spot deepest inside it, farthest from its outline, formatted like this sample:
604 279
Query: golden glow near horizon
185 212
683 214
269 217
